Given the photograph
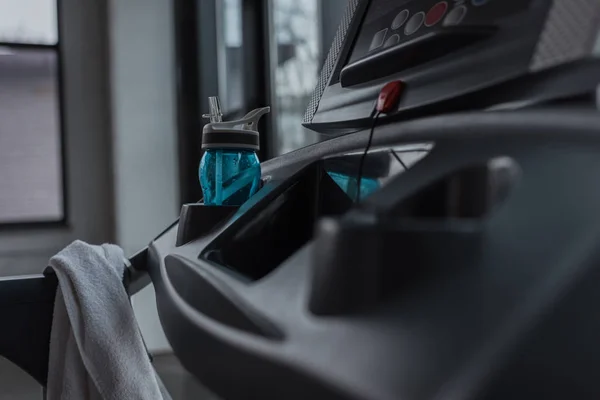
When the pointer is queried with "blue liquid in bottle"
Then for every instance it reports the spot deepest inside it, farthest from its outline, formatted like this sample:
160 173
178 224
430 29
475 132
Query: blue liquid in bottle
349 184
229 177
229 171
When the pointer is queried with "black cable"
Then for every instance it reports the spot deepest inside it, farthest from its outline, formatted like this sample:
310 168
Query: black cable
399 160
364 156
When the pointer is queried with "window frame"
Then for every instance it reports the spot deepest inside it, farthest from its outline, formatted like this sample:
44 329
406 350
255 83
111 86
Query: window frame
197 39
63 222
198 66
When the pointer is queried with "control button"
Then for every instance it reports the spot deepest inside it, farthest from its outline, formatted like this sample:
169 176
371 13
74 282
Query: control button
436 13
378 39
392 41
400 19
414 23
477 3
455 16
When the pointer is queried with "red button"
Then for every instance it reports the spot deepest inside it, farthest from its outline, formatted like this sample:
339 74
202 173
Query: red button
389 96
436 13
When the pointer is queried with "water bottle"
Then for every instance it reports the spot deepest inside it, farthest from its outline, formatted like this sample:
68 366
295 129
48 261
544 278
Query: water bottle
230 170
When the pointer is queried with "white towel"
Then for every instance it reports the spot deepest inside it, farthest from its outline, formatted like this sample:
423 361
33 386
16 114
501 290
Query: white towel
96 348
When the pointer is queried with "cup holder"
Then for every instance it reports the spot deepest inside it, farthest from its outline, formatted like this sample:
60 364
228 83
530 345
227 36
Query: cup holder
256 246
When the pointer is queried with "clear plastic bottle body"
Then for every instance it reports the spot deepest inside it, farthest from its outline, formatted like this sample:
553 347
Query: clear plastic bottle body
229 177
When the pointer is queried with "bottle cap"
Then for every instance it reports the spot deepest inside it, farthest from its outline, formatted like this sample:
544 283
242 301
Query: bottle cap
238 134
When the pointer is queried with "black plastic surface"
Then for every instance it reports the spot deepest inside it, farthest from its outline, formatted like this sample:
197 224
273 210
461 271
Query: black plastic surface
276 232
469 77
351 272
221 139
196 220
336 288
205 295
26 308
471 192
424 49
350 269
392 18
458 301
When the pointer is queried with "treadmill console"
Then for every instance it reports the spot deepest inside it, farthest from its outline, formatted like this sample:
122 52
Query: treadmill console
469 268
455 55
389 29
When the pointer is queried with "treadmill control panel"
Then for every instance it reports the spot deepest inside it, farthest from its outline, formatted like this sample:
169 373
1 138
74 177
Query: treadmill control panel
388 24
457 55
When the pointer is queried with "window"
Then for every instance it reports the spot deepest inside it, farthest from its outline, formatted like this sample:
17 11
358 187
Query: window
229 25
29 21
31 168
296 31
252 53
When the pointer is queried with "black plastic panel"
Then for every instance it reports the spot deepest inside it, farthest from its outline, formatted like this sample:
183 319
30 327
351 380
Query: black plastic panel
197 220
282 227
452 307
424 49
440 73
412 20
214 300
26 308
535 47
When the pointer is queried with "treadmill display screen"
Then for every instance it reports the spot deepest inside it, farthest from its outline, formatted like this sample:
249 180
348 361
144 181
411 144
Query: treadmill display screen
389 23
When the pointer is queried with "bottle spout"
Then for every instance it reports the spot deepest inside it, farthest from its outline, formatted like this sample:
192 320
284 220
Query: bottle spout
248 123
253 117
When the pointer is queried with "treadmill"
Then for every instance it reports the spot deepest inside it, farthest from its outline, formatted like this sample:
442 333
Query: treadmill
469 269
